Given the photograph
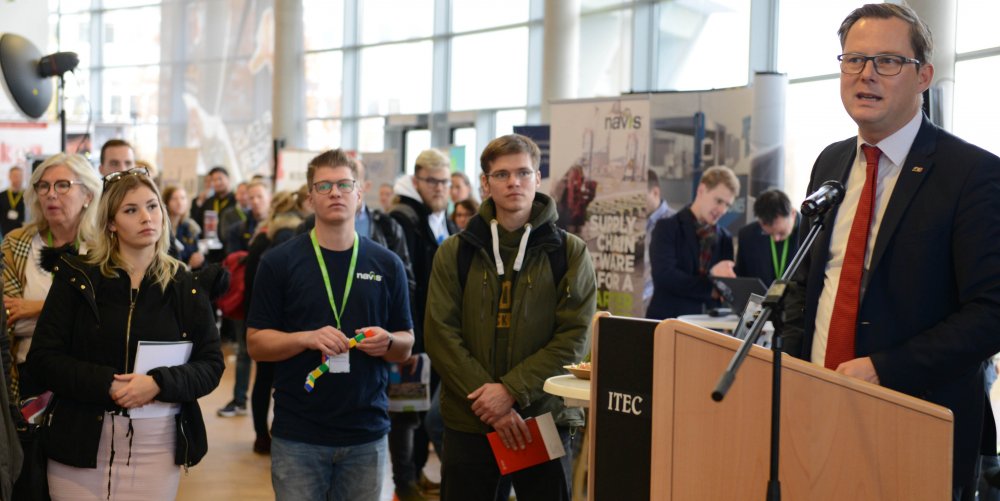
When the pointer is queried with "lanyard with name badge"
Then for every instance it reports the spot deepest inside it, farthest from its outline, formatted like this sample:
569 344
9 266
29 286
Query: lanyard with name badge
779 270
342 363
12 214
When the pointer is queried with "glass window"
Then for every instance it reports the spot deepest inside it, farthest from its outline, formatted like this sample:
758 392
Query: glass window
387 20
396 79
78 106
589 5
53 42
605 54
114 4
70 5
323 22
507 119
145 138
814 118
976 25
75 37
810 48
703 45
977 104
466 136
417 140
371 134
324 84
130 94
132 36
322 135
467 15
478 81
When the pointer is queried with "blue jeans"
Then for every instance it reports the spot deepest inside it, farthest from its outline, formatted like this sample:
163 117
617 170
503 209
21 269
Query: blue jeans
301 471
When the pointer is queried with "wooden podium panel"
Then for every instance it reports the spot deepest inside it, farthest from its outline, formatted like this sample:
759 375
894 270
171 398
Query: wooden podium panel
841 438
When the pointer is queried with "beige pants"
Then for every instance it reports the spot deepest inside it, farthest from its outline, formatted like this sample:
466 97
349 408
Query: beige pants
150 474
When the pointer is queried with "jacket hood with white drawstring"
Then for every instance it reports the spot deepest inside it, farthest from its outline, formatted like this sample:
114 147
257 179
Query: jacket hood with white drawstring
404 187
540 228
549 321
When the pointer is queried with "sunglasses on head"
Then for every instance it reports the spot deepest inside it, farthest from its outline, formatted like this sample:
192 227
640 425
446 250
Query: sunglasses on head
115 176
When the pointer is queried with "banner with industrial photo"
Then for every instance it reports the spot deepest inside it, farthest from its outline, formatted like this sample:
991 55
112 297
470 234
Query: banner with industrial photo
607 154
599 156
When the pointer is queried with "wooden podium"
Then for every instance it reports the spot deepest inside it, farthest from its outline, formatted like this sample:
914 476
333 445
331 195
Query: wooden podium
657 434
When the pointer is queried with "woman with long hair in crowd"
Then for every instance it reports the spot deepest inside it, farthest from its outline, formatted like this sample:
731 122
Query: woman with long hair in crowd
126 290
62 196
464 210
184 230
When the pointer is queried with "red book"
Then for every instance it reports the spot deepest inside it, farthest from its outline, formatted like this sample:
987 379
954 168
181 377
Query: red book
545 446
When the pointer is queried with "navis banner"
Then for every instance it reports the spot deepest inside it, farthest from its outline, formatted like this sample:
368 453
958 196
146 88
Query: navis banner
598 180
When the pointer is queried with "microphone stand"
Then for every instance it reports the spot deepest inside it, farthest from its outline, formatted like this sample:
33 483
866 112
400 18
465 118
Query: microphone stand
61 98
772 303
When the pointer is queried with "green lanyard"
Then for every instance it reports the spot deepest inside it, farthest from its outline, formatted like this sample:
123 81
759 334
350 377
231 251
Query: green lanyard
779 270
326 276
76 243
239 212
215 204
14 200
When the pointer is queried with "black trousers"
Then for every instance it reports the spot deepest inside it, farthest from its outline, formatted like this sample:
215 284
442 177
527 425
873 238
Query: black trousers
260 397
408 447
469 471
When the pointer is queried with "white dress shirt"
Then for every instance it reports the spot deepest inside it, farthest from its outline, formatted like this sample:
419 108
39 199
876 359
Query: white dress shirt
439 225
894 150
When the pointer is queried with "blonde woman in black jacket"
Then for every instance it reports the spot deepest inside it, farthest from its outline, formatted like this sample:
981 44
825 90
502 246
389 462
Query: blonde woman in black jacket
126 290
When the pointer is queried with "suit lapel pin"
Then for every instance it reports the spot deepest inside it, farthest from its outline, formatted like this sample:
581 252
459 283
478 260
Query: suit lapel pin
918 169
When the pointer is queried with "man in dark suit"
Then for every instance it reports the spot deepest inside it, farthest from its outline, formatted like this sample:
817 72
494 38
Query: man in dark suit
690 246
767 245
902 289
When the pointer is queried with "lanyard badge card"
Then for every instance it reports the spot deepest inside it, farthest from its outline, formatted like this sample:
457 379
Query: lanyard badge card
336 363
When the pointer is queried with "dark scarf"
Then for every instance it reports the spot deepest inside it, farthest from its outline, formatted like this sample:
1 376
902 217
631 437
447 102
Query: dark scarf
707 236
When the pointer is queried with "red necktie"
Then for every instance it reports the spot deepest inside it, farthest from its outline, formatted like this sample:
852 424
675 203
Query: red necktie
844 321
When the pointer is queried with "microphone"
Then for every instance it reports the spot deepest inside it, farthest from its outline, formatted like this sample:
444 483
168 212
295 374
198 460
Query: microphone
828 196
54 65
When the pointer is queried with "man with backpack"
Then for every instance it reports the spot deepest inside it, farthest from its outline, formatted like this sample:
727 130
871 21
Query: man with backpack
511 301
421 212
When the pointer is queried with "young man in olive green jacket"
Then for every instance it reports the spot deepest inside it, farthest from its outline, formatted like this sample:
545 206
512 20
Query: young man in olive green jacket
497 330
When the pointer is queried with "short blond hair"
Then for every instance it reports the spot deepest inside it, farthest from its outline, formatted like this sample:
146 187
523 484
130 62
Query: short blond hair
431 159
714 176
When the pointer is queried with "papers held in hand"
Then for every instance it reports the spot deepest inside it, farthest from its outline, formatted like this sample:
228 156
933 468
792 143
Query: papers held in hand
545 446
153 354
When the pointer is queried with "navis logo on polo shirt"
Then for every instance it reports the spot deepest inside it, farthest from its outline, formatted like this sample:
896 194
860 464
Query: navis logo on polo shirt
371 275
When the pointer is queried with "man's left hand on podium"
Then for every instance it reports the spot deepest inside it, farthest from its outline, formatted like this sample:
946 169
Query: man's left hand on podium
861 368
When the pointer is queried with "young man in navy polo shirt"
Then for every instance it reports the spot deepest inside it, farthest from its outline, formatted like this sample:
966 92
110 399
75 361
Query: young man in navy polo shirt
312 295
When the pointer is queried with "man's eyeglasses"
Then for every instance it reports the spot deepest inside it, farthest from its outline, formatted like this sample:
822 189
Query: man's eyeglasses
115 176
61 186
886 65
434 182
343 185
504 175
